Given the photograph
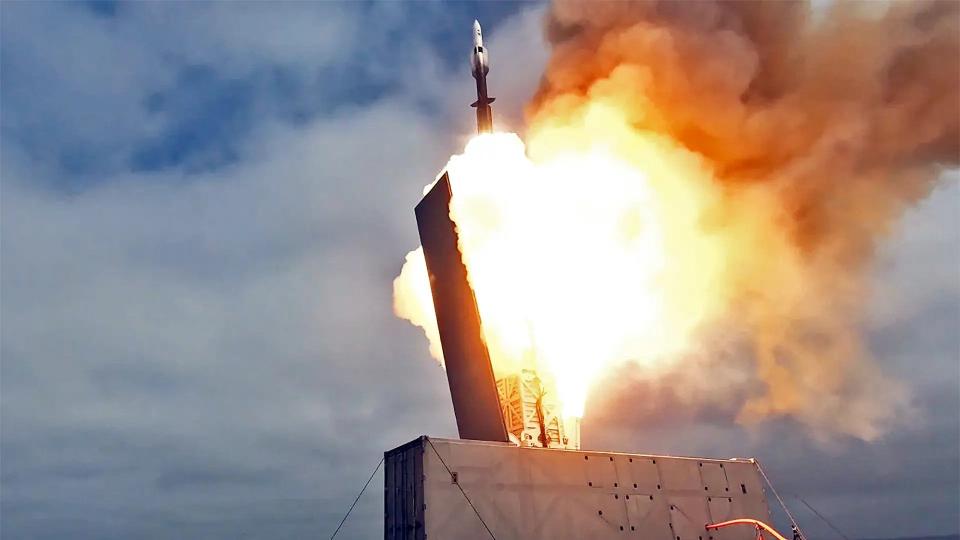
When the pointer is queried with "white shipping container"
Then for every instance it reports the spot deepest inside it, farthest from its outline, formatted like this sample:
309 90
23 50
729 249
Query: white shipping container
459 489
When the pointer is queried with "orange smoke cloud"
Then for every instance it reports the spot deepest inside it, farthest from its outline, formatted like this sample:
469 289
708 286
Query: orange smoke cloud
833 126
695 166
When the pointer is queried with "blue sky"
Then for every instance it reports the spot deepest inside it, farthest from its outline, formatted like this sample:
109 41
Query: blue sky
203 208
148 87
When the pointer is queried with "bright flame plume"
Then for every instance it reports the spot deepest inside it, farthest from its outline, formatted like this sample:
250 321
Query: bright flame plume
586 254
701 195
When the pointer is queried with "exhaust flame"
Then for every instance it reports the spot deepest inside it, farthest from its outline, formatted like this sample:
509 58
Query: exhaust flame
581 256
700 166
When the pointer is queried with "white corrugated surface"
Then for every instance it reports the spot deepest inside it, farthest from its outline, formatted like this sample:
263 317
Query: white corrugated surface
534 493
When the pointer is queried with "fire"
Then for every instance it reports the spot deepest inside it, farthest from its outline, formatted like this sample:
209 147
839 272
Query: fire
701 194
585 250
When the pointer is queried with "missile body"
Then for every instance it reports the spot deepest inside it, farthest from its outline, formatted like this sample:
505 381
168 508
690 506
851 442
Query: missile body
480 65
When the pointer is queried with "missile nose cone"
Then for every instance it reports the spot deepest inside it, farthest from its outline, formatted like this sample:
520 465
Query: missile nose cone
477 34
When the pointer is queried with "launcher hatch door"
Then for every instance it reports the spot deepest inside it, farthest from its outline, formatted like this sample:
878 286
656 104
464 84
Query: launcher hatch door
469 372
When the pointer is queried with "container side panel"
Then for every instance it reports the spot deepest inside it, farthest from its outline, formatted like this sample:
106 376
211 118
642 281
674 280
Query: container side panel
601 471
714 477
448 513
724 509
680 474
746 490
649 516
612 511
476 404
644 475
546 493
688 515
403 494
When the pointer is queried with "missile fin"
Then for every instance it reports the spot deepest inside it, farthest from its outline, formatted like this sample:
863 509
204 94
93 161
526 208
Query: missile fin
477 103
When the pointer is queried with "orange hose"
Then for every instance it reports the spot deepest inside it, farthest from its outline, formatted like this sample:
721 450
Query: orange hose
746 521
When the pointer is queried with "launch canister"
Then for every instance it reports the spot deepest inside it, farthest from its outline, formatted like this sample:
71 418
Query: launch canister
480 66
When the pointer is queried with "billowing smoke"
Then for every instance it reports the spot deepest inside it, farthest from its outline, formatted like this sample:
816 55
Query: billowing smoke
834 120
697 200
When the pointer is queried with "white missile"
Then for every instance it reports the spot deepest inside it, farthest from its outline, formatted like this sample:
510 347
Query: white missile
480 66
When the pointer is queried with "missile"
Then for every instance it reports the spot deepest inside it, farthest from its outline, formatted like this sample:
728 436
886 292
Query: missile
480 66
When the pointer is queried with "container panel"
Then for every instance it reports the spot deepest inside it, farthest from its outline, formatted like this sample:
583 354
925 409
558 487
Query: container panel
403 493
554 470
688 516
601 471
746 489
644 475
714 478
680 474
723 509
531 493
648 516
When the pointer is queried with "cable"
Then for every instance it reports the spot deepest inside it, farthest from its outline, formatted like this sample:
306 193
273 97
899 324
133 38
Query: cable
475 511
783 505
342 521
821 516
